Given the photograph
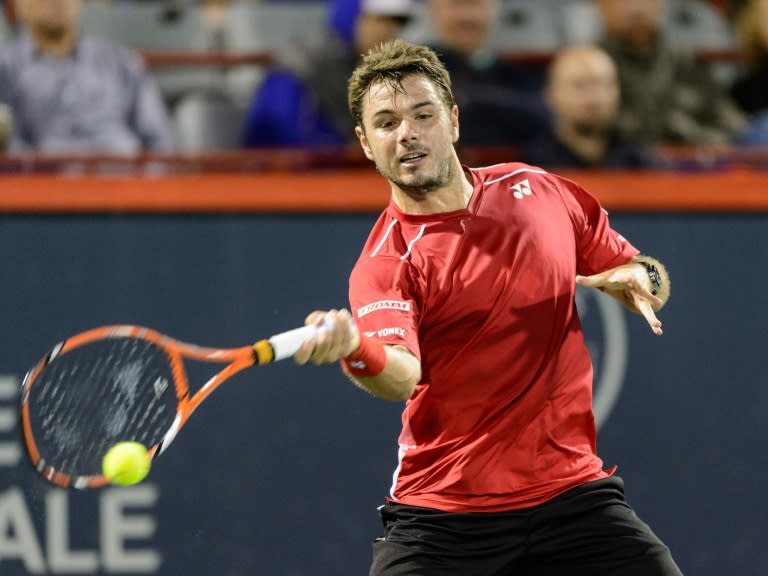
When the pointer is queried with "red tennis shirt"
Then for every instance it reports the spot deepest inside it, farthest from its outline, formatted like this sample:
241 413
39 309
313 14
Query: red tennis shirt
502 418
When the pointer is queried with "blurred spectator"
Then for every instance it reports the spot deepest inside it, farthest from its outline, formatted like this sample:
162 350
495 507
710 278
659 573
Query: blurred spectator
305 102
73 94
668 96
499 102
751 90
583 94
6 125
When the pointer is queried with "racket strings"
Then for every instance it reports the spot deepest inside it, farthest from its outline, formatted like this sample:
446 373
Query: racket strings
97 394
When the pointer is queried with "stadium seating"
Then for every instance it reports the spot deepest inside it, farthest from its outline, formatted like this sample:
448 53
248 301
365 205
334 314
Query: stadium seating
523 25
698 25
206 123
253 27
5 32
207 100
527 26
157 27
688 23
579 22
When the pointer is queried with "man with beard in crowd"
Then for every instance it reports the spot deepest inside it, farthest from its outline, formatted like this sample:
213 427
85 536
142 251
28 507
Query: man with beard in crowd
668 95
583 94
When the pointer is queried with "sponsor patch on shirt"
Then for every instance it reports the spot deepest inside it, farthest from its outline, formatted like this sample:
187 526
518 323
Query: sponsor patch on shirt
386 332
384 305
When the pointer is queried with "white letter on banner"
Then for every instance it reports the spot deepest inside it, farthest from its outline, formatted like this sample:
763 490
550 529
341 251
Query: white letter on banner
60 558
9 449
18 540
117 527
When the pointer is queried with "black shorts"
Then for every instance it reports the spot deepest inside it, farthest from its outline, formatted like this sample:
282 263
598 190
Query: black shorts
589 530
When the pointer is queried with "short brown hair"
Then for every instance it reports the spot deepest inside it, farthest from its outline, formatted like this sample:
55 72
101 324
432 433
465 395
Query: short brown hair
391 62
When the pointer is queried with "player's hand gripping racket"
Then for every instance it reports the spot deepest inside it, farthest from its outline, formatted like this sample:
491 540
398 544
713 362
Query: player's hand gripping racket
117 383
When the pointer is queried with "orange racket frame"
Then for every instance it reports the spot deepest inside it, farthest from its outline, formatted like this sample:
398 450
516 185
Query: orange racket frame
264 351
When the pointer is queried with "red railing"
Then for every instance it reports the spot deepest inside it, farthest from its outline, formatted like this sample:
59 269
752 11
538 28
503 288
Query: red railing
155 59
304 181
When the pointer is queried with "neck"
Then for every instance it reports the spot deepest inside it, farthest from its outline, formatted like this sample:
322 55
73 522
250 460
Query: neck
60 44
589 147
454 195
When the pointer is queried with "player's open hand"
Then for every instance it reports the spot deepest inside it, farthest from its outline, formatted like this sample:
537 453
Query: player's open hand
337 338
629 284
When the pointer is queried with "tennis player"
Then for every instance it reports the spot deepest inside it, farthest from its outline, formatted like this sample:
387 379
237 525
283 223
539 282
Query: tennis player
463 306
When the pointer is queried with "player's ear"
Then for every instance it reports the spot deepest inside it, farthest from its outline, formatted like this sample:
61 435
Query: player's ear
360 133
455 123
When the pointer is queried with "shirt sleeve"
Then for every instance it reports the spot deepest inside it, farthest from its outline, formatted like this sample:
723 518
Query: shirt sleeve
385 302
598 246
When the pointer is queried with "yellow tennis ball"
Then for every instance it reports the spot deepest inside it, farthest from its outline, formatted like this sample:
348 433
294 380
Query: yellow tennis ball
126 463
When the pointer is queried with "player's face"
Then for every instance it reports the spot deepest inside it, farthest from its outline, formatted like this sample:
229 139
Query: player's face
409 134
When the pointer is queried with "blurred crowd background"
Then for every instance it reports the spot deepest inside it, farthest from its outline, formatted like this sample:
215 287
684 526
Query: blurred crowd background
559 83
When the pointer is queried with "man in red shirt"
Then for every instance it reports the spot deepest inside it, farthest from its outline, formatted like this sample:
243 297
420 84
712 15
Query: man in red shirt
463 305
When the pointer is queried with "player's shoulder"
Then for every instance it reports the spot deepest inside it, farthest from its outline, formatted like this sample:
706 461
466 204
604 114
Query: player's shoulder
495 173
522 179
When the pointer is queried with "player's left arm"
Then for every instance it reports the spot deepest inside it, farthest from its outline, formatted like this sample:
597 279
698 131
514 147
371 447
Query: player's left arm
642 285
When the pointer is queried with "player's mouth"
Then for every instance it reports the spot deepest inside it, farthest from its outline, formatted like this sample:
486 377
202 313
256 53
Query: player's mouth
412 158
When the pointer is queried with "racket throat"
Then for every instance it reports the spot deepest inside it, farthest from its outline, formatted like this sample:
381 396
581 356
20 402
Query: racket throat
263 352
170 434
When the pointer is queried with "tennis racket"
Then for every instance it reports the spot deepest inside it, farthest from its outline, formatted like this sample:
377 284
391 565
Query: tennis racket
118 383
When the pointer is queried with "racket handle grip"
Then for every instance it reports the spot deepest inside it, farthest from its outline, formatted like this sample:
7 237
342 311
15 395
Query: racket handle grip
287 343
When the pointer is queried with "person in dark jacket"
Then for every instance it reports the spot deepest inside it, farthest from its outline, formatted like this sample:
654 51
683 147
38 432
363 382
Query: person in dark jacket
499 101
668 96
583 95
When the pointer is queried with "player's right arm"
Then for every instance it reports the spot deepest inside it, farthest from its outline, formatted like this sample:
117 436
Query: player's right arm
398 370
379 347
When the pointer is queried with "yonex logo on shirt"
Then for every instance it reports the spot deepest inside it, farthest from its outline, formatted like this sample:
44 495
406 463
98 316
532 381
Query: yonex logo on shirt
384 332
384 305
522 189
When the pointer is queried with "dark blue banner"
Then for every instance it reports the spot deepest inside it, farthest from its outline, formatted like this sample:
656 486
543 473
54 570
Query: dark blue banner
280 472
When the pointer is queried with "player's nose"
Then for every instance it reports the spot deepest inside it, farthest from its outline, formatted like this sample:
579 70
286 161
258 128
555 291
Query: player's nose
407 131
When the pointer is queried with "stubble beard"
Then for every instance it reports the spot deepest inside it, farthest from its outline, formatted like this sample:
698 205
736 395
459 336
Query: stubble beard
52 32
595 128
442 177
